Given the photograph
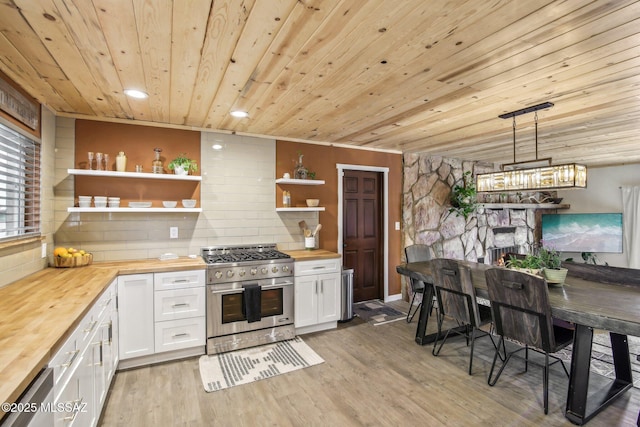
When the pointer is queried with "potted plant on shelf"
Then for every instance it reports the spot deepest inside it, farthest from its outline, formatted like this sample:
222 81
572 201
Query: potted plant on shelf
552 265
182 165
463 197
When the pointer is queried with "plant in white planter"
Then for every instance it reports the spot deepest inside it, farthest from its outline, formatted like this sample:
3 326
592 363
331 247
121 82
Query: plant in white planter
182 165
552 265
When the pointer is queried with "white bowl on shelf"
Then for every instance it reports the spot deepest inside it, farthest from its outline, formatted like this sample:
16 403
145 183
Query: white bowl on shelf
189 203
84 203
100 204
169 203
140 204
313 203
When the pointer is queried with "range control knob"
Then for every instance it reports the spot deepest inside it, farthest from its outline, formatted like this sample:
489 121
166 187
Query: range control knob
230 273
264 270
274 270
218 274
285 268
241 273
254 271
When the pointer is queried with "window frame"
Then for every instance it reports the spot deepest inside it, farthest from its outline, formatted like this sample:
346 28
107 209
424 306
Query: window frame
20 166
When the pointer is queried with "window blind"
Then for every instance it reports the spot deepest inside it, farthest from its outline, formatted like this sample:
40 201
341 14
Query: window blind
19 185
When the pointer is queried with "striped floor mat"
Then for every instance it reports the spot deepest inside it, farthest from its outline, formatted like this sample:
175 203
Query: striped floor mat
224 370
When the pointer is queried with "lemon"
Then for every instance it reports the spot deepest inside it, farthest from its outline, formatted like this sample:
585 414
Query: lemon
60 251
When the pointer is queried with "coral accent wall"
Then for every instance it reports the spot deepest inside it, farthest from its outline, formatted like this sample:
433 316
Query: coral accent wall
322 159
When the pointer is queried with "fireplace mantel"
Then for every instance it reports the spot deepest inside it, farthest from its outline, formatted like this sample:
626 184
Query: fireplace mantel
524 206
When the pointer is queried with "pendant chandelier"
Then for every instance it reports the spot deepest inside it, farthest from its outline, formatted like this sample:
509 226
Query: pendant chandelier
535 175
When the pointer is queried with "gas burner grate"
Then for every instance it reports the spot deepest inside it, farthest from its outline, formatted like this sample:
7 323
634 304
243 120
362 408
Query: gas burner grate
218 255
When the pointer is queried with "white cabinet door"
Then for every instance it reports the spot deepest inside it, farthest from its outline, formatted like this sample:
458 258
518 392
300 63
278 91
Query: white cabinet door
135 313
329 297
306 301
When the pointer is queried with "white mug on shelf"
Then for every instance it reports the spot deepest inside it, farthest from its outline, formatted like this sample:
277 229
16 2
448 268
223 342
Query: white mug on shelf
286 175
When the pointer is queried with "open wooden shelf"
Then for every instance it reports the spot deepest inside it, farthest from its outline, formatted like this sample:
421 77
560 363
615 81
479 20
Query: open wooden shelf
300 181
136 175
300 209
150 210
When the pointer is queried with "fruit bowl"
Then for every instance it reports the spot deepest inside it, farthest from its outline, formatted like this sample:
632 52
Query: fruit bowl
73 261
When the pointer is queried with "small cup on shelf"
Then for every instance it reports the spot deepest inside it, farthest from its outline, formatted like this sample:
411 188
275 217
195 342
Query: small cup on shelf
100 201
84 201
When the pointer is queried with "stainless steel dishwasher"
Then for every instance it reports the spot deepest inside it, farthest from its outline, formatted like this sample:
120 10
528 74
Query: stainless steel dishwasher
34 409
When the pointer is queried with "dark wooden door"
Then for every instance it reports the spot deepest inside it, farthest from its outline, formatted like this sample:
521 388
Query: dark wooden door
362 232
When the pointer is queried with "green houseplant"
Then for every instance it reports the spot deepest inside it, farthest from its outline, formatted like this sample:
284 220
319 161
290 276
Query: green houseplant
182 165
463 197
552 265
529 264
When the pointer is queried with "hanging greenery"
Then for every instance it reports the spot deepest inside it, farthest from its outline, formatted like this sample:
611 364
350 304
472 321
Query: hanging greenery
463 197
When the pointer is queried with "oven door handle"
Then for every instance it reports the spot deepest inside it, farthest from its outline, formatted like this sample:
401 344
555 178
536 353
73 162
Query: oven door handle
278 285
240 290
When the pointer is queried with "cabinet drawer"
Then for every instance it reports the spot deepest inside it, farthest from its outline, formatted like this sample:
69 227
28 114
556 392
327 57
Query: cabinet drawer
305 268
64 361
179 303
178 280
178 334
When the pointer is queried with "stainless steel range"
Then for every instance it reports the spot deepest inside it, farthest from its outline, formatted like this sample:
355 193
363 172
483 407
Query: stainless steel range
249 296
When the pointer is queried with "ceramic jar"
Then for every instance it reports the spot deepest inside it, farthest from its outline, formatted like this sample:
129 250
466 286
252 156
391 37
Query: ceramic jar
121 162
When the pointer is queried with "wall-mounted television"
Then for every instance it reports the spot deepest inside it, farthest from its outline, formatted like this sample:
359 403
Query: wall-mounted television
583 232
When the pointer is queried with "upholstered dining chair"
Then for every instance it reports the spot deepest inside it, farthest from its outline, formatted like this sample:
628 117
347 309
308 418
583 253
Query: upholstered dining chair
457 299
522 313
416 253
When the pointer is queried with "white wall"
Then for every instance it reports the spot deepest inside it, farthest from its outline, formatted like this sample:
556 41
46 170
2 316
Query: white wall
602 195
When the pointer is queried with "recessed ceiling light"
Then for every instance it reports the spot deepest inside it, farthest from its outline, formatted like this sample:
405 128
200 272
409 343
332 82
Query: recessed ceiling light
135 93
240 114
217 146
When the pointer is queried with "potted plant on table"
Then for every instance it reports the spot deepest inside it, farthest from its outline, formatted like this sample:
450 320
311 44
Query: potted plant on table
552 265
182 165
529 264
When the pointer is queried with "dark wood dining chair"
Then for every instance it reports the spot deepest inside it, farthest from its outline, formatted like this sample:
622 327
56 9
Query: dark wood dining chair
416 253
456 298
522 313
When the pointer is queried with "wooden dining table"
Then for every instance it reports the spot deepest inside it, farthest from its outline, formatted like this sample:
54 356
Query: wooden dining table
588 304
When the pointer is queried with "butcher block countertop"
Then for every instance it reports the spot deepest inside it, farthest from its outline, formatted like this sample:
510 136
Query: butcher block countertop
311 255
39 312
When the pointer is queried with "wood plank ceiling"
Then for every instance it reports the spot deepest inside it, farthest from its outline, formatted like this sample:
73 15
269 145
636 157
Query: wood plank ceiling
411 75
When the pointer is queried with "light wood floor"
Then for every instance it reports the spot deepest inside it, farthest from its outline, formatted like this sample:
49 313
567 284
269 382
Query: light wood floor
372 376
